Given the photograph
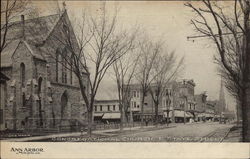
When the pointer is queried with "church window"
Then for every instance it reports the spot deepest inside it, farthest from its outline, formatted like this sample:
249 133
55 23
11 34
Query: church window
22 74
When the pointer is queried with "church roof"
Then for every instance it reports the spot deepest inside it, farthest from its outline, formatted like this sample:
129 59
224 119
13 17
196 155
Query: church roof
9 51
36 31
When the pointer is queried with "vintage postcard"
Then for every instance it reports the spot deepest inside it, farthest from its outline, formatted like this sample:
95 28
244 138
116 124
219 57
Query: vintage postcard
125 79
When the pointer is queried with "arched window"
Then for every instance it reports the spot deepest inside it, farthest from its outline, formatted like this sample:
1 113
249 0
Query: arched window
39 85
23 100
22 74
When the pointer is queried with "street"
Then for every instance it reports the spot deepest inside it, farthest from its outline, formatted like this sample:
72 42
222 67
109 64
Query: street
176 132
195 132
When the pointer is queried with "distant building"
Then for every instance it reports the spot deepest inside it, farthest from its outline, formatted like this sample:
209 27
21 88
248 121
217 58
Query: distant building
201 101
165 102
41 92
184 100
177 98
210 110
107 111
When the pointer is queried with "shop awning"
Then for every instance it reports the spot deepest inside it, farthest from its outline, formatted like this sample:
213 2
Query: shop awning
188 114
98 114
179 113
111 116
209 115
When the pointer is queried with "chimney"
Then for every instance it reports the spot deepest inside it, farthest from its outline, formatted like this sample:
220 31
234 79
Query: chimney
23 26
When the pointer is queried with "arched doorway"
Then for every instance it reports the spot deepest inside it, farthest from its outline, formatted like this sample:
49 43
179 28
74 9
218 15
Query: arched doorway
64 103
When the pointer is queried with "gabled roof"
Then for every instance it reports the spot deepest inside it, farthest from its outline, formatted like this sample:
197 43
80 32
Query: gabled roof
9 51
36 29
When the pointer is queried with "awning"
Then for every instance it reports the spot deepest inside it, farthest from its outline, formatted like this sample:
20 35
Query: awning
111 116
188 114
209 115
98 114
179 113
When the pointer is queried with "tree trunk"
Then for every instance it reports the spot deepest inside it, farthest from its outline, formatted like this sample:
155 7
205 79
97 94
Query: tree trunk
245 117
167 117
156 113
90 114
122 117
142 109
238 112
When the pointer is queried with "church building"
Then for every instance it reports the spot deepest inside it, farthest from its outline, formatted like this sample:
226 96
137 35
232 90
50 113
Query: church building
39 92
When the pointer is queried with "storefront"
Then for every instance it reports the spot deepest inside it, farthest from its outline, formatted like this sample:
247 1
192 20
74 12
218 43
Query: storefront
179 116
111 117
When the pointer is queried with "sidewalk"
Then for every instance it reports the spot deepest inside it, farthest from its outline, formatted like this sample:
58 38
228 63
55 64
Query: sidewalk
234 135
106 132
101 132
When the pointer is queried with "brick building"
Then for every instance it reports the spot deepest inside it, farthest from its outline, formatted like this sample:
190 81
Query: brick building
177 98
41 92
107 111
201 101
165 102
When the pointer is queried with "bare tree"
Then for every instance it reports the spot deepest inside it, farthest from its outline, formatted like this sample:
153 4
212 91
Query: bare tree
164 71
231 35
124 69
100 45
10 9
149 52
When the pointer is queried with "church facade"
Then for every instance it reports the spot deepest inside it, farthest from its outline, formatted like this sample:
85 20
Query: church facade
40 91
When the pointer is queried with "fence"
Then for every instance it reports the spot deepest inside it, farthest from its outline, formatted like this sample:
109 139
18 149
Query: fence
51 126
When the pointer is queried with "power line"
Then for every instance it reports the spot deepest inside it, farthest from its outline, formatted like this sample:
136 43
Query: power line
203 36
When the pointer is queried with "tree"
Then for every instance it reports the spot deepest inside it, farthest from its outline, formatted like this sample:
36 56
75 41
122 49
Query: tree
164 71
10 9
124 69
231 35
100 45
149 52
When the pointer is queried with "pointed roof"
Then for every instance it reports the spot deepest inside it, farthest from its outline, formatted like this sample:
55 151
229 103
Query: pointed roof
9 51
36 29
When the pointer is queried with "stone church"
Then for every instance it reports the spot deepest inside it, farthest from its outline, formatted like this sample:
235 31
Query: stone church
39 92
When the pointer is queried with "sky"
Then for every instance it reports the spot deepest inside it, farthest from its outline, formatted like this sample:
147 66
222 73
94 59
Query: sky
162 19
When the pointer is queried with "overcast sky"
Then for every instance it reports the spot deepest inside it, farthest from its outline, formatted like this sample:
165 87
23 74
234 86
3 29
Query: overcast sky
168 18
